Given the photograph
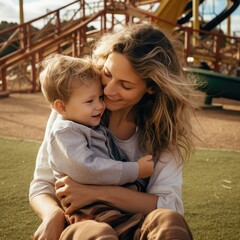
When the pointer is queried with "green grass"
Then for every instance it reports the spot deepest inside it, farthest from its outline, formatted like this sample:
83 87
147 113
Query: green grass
17 161
211 195
212 210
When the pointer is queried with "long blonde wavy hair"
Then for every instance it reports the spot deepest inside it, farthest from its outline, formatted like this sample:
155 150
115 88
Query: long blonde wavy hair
163 118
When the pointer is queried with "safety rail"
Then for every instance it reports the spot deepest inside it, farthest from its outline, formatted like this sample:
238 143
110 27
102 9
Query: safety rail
18 70
220 52
26 35
52 23
74 33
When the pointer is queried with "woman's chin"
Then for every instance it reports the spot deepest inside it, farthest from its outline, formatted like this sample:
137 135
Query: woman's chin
111 107
111 104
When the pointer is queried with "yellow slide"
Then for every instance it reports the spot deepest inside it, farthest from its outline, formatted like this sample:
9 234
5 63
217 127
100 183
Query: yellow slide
168 10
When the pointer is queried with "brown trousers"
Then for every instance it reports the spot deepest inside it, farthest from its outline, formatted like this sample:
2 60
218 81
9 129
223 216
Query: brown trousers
161 224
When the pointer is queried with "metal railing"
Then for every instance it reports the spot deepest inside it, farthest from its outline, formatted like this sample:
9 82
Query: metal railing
69 30
72 36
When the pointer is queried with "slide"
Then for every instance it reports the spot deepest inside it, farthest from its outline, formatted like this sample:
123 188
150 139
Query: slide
221 16
187 13
215 21
215 85
168 10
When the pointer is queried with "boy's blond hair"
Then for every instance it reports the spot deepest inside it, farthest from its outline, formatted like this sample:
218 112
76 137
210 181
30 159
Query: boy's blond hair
60 73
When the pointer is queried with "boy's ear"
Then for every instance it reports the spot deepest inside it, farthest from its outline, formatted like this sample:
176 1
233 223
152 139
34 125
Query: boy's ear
59 106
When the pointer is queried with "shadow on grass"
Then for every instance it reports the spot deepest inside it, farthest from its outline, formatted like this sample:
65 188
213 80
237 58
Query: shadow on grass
211 192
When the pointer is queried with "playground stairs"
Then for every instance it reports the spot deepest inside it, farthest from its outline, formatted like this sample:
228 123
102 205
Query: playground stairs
72 29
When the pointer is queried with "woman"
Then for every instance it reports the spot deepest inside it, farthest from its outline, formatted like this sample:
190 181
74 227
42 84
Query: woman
148 103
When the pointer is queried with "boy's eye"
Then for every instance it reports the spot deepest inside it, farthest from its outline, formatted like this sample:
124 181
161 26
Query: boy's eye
89 101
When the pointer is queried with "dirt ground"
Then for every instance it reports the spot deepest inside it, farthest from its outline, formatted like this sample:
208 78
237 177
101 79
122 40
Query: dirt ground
24 116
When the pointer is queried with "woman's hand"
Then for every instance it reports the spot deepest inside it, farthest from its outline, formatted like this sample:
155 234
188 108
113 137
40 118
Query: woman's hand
73 195
51 226
71 219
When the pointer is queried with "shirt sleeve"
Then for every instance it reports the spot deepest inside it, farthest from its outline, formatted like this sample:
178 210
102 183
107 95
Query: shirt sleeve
71 156
166 182
43 180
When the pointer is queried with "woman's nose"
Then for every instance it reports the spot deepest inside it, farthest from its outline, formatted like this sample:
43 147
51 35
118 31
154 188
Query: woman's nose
110 87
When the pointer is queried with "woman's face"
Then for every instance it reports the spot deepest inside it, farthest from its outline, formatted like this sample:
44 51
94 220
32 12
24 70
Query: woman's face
123 88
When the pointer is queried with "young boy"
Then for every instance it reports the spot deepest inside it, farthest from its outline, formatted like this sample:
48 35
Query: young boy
78 146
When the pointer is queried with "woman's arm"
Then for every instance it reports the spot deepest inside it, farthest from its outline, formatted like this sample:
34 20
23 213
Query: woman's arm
163 191
53 217
43 180
166 182
42 194
129 200
79 195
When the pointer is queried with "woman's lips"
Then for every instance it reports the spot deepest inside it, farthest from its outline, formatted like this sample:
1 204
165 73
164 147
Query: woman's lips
112 99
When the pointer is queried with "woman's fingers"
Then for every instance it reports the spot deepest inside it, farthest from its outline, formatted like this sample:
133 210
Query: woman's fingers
73 195
67 207
61 182
60 193
70 209
65 204
61 187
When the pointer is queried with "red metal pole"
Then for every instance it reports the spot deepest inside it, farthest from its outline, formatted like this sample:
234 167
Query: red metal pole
4 81
217 39
28 44
34 75
58 23
74 50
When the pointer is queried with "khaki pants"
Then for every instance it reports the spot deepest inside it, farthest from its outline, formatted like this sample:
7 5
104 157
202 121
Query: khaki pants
161 224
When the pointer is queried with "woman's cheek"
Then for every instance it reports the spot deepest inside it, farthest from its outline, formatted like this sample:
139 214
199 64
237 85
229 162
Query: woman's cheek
103 79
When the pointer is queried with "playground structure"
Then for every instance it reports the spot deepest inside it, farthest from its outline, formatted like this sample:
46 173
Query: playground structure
73 28
215 84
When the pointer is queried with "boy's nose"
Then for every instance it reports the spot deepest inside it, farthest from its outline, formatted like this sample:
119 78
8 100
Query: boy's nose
100 105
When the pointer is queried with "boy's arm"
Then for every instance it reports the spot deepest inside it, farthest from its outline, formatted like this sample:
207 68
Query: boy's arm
71 156
146 166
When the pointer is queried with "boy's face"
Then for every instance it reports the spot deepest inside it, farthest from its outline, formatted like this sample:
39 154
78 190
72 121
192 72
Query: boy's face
86 104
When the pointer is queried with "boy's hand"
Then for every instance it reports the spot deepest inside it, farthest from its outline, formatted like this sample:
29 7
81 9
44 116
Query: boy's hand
146 165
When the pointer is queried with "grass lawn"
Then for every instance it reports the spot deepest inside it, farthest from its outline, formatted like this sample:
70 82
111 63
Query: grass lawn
211 195
211 192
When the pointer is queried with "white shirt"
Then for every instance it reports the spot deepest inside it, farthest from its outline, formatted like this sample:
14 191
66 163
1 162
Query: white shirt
165 182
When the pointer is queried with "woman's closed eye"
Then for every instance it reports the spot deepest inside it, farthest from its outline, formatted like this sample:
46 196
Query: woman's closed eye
107 73
126 85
